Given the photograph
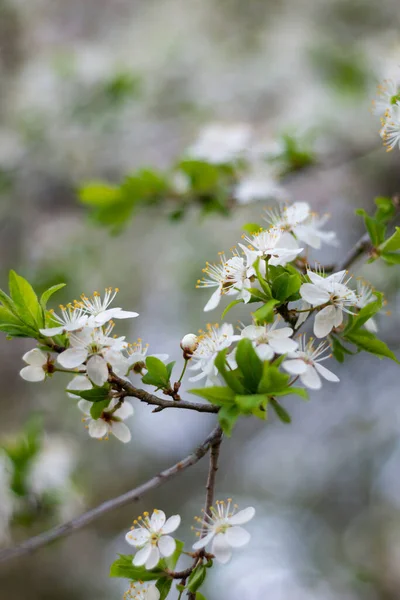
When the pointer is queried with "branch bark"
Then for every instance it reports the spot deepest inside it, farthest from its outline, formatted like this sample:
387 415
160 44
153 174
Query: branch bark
70 527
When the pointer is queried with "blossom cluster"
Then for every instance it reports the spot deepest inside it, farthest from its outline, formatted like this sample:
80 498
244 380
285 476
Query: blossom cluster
387 108
90 351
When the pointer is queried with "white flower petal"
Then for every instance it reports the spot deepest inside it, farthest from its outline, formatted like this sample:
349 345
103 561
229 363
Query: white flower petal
243 516
142 555
325 321
35 357
166 545
338 316
72 358
326 373
371 325
283 345
213 301
237 536
221 549
252 332
314 294
33 374
153 559
51 331
296 366
97 429
125 411
311 379
97 370
121 431
171 524
202 542
264 352
137 537
152 592
85 406
157 520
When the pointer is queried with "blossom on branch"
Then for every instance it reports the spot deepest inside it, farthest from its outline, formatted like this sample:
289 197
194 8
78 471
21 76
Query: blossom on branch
110 420
142 591
211 341
273 244
223 528
39 365
268 340
304 363
151 536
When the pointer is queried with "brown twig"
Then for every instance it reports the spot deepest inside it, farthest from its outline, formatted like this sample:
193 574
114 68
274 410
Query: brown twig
60 531
212 473
363 245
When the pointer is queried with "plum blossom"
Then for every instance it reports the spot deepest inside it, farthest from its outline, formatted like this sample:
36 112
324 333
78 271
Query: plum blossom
388 95
189 343
137 353
96 348
305 363
211 342
97 308
221 143
305 225
332 295
275 244
39 365
110 420
223 527
79 383
151 536
390 130
268 340
142 591
230 277
72 318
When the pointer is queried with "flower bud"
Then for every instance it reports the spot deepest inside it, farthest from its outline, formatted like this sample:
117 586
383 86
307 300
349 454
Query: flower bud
189 343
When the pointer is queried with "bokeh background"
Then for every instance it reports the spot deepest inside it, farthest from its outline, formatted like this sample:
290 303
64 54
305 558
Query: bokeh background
95 89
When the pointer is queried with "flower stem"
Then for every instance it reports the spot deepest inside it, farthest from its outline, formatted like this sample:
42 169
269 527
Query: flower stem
183 370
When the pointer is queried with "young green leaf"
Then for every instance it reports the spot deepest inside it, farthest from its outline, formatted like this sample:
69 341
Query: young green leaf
265 314
164 586
216 395
230 305
25 301
157 373
48 293
230 377
227 417
196 578
364 340
124 568
249 363
285 286
96 394
281 413
392 244
250 403
96 410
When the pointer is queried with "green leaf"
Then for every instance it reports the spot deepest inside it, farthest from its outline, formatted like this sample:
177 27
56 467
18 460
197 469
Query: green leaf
263 283
124 568
169 367
157 374
392 258
392 244
265 314
227 417
364 340
385 209
231 378
196 578
48 293
230 305
281 413
249 363
25 301
376 229
96 410
98 193
365 314
216 395
200 596
164 586
285 286
96 394
273 381
251 227
250 403
17 330
7 302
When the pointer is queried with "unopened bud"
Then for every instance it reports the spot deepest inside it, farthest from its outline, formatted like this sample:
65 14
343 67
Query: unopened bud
189 344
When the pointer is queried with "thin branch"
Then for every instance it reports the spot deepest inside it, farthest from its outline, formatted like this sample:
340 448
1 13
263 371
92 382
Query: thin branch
60 531
212 473
160 403
363 245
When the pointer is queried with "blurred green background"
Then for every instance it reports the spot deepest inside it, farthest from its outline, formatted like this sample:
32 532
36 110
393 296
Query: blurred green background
96 89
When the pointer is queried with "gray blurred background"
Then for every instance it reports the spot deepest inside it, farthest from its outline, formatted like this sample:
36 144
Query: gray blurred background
326 488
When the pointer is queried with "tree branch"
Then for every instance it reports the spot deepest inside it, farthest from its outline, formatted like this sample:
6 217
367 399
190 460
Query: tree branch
363 245
212 473
160 403
60 531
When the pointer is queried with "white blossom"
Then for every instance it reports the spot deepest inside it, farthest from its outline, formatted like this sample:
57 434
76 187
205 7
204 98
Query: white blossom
306 226
110 421
275 244
221 143
79 383
94 347
390 130
231 277
388 94
332 295
211 341
39 364
268 340
72 318
151 536
304 363
142 591
223 528
97 308
137 353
